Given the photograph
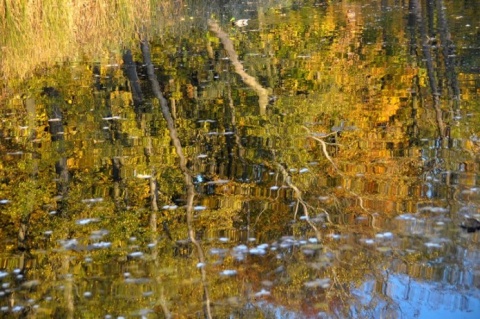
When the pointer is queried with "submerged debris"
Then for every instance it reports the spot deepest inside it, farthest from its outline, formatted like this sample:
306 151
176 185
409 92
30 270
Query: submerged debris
470 224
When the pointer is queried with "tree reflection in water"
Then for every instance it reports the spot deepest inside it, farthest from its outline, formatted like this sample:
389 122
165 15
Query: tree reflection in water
312 163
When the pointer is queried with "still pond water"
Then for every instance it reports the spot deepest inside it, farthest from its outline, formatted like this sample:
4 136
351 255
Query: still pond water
333 150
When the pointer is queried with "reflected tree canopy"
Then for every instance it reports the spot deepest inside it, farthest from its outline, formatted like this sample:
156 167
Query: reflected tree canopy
260 159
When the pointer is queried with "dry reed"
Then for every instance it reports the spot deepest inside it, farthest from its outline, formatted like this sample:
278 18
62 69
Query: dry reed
36 33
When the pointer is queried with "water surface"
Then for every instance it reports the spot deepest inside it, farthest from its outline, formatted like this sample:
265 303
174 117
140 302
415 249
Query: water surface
350 190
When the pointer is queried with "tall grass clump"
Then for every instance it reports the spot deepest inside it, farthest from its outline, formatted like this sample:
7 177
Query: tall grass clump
37 33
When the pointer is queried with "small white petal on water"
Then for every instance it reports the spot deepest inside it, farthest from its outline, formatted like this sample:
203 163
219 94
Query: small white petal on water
98 234
256 251
92 200
322 283
218 251
434 209
335 236
240 248
262 246
228 272
136 254
86 221
433 245
17 309
218 181
405 217
170 207
102 244
262 293
287 242
69 244
239 256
